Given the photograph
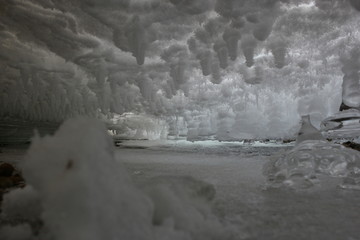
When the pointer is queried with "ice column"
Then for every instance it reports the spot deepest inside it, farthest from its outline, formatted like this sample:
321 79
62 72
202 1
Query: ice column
308 131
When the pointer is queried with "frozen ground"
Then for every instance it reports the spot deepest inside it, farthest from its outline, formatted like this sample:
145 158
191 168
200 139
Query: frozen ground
235 170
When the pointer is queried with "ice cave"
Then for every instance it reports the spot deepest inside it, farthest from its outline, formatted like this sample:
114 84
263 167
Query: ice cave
179 119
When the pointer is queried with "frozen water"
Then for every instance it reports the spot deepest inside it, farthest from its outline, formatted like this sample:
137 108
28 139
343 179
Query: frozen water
308 131
181 190
344 124
235 170
350 86
137 126
302 166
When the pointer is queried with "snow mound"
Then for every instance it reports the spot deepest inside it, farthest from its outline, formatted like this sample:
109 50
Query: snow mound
303 166
78 190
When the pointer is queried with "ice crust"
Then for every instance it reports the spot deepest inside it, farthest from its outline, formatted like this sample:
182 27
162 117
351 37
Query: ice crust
344 124
303 166
78 190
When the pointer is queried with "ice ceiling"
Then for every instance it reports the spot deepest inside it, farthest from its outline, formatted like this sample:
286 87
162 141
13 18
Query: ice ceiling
227 67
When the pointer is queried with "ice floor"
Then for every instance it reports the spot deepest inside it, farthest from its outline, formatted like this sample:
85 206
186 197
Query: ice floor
235 169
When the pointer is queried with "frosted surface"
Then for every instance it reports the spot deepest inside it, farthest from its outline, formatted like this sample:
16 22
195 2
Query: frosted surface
181 190
344 124
212 63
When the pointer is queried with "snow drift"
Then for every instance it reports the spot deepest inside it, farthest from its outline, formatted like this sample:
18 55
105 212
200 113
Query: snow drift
78 190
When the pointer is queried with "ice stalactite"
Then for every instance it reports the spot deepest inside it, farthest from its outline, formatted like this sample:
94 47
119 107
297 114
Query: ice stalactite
232 36
177 73
176 56
248 45
221 50
278 49
355 4
262 30
205 58
136 36
215 72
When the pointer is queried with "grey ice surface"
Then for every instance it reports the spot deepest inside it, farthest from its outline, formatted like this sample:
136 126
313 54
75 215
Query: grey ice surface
235 170
344 124
323 212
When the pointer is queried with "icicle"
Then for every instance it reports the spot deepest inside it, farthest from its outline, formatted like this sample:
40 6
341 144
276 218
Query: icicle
248 46
232 37
222 53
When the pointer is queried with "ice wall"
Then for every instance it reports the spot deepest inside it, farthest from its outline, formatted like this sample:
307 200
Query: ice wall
66 58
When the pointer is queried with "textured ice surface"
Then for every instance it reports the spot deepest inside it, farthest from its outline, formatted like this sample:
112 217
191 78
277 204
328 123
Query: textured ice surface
308 131
302 166
235 171
344 124
350 86
322 212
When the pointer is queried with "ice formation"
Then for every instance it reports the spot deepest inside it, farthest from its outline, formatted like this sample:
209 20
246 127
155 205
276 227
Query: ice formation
345 123
350 86
310 161
133 126
308 131
61 59
78 190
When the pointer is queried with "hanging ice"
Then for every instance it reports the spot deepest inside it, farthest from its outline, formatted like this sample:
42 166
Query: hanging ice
278 49
205 58
222 53
136 39
231 37
248 45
